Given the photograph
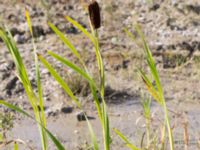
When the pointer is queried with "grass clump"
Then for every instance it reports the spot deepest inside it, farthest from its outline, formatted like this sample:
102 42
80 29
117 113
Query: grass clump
155 90
35 99
6 123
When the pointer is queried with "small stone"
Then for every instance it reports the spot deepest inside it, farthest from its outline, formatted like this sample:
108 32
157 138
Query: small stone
38 31
19 87
76 131
14 31
41 38
10 65
125 64
72 30
11 85
155 7
54 110
4 75
114 40
19 39
81 116
1 97
47 98
12 17
7 66
67 110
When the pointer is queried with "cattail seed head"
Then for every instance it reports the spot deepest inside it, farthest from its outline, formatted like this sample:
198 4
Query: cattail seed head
94 13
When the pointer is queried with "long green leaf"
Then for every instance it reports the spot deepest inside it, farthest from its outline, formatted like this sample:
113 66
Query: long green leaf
151 88
13 107
16 146
100 64
39 86
22 73
127 142
29 22
93 137
59 79
106 128
65 40
73 66
154 72
80 27
150 60
17 109
94 39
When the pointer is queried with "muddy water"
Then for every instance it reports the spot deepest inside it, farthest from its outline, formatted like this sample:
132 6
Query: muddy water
127 117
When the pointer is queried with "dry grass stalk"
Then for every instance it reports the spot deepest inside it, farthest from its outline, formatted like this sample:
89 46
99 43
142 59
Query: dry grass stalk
186 135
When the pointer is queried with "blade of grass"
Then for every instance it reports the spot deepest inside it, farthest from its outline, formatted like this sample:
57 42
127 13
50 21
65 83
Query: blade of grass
93 86
87 77
29 22
146 103
66 41
150 87
93 137
19 110
59 80
150 60
94 39
72 66
41 112
16 146
13 107
81 28
154 72
133 37
97 102
22 73
100 63
8 40
127 142
106 127
102 113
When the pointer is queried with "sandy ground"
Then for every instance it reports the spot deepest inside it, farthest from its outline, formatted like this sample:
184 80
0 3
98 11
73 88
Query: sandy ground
172 29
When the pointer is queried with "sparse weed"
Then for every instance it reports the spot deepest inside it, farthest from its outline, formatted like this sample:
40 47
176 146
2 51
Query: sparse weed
146 105
77 84
156 91
6 123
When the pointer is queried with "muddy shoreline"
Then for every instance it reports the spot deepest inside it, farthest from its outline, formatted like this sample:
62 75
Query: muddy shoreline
172 29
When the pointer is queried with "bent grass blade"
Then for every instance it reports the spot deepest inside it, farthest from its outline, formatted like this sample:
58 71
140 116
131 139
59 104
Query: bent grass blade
59 79
39 86
19 110
127 142
81 28
156 91
72 66
66 41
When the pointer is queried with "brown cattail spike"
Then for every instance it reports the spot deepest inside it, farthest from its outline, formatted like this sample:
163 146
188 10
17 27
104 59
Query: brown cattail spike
94 13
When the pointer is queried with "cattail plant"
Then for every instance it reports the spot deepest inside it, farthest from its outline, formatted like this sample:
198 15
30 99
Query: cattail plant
94 13
95 23
94 18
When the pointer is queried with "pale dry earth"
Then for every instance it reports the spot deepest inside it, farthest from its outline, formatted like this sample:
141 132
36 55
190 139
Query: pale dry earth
172 29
